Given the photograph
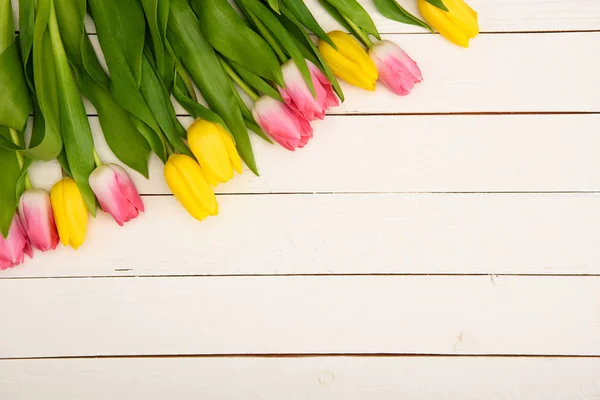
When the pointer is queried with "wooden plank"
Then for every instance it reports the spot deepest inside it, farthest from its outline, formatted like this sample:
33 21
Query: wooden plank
494 16
466 153
328 378
291 315
341 234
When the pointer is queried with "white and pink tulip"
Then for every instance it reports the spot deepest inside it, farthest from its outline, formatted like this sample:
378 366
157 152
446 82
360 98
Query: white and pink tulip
298 96
116 192
285 125
14 247
37 218
396 69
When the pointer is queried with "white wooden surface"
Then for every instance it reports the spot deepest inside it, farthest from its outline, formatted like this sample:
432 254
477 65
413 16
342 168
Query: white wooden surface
475 201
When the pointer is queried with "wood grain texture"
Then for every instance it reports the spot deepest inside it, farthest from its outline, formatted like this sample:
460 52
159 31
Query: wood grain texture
283 315
494 16
341 234
348 378
465 153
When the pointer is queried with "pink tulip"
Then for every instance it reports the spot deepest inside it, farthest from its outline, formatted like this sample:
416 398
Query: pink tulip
37 218
396 69
298 96
285 125
116 192
15 246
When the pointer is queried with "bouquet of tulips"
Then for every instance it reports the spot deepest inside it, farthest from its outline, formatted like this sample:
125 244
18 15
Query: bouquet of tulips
236 66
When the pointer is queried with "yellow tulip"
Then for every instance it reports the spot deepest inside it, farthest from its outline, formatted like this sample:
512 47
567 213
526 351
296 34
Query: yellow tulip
458 24
215 151
350 61
70 212
187 182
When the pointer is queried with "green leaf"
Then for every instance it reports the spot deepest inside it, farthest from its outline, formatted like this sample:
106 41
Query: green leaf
200 60
74 124
438 3
157 15
26 27
331 10
126 142
283 36
352 10
256 81
298 9
227 32
274 4
9 166
159 102
392 10
195 109
48 145
120 25
14 92
7 25
309 50
121 134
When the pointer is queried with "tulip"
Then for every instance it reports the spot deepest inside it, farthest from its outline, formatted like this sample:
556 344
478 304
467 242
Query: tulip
298 96
350 61
116 192
37 218
14 247
215 150
458 24
70 212
187 182
285 125
396 69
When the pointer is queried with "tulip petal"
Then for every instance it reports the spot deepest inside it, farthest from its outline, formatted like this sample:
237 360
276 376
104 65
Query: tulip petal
285 125
35 211
76 213
187 182
57 199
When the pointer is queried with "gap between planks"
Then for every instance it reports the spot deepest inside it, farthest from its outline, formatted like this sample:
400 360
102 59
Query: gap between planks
308 355
492 276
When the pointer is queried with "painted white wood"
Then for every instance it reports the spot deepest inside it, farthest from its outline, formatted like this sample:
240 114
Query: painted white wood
347 378
465 153
341 234
498 73
494 15
279 315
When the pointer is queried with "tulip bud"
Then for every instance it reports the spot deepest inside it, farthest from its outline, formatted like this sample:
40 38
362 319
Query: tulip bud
70 212
298 96
215 150
187 182
116 192
285 125
37 218
14 247
350 61
458 24
396 69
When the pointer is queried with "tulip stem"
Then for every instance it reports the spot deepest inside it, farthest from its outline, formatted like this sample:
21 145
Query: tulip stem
14 136
238 80
28 184
97 159
360 33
